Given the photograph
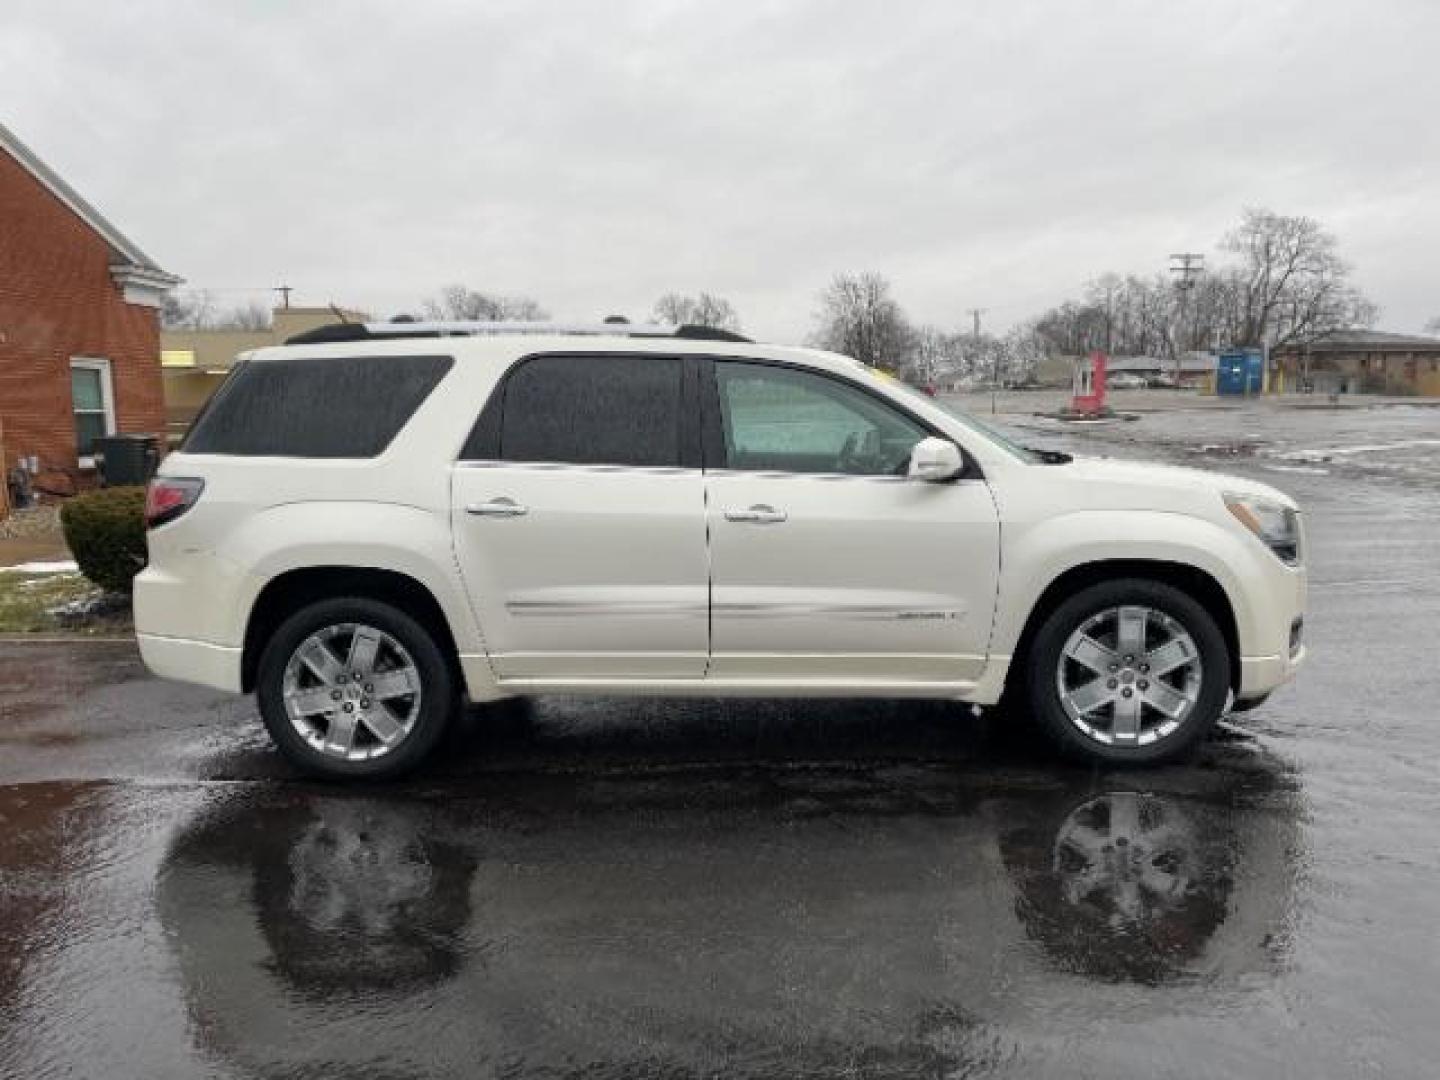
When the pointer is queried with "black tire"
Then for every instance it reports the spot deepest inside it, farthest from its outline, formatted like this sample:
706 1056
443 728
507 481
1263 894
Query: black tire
1249 703
438 692
1046 650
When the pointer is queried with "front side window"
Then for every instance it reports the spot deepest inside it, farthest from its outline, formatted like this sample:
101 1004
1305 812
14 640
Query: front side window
593 410
781 420
92 403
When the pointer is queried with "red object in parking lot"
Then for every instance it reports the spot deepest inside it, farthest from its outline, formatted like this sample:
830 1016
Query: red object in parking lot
1089 386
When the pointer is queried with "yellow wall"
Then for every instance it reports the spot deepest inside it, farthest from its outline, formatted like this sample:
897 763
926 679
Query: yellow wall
195 361
1427 382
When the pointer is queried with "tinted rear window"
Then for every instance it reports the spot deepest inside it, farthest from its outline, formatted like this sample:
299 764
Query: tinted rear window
342 407
593 410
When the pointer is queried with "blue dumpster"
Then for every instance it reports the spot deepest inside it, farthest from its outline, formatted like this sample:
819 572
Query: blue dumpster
1240 372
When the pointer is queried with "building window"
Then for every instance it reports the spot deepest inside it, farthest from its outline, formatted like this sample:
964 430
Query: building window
92 400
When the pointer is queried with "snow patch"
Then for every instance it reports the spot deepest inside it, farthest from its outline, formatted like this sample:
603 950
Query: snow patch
60 567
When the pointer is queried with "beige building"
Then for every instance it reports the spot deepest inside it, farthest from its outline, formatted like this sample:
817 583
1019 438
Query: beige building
195 362
1359 362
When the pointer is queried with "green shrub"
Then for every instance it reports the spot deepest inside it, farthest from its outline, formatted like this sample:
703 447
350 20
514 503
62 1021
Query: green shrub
106 533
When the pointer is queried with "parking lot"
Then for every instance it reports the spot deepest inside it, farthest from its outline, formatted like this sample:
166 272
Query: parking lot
761 888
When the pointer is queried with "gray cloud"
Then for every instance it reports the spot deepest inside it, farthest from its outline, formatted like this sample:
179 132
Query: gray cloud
991 154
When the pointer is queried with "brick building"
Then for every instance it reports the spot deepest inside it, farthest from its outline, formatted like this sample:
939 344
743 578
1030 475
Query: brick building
1360 362
79 325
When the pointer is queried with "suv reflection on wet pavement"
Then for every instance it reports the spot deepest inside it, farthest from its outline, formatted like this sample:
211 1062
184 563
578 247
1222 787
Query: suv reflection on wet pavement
755 921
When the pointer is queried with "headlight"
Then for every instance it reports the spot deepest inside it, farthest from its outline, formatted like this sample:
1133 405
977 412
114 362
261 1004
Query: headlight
1278 527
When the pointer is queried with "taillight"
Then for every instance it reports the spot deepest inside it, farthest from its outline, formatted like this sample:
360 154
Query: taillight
168 497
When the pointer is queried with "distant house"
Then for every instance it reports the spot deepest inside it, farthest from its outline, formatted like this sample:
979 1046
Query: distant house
195 362
1195 369
79 325
1360 361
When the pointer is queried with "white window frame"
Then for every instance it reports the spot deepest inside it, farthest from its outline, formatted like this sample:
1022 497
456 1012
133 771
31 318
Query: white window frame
107 397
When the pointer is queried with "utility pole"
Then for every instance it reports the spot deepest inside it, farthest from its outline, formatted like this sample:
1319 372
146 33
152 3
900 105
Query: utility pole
1109 317
1187 266
975 313
284 291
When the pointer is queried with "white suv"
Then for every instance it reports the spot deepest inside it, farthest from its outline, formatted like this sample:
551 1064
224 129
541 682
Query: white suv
372 521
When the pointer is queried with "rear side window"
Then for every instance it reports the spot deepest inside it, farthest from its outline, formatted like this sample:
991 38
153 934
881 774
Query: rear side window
318 407
590 410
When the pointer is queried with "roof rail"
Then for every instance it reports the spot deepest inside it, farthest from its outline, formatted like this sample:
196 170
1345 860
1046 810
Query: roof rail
381 331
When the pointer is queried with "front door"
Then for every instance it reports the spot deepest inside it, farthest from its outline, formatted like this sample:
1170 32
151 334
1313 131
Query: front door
827 563
580 526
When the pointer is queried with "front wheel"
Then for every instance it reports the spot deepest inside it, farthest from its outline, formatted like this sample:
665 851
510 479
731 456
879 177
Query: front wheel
354 688
1128 671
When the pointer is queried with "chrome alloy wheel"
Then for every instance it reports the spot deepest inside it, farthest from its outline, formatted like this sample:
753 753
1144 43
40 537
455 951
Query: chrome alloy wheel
352 692
1129 676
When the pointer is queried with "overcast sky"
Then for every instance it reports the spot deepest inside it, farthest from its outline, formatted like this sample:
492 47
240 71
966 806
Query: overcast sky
595 155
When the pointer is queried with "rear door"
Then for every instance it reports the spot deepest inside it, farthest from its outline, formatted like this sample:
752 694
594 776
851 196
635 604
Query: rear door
579 520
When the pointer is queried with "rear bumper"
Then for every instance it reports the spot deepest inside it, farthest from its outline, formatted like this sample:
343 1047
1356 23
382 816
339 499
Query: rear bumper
186 660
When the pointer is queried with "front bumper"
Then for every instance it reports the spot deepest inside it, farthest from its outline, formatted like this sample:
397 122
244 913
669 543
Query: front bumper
1259 675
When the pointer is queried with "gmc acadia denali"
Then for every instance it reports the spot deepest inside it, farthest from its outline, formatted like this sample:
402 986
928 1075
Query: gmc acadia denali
373 522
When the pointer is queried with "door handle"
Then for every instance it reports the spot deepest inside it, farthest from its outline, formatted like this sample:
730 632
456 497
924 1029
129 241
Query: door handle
759 514
502 507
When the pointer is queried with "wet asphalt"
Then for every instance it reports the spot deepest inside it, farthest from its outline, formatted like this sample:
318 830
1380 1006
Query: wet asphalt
657 888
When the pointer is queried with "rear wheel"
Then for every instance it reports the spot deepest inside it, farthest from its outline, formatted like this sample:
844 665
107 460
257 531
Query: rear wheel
354 688
1128 671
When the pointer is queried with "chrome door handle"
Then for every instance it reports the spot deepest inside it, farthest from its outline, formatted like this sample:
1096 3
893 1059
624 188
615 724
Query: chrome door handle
501 507
759 514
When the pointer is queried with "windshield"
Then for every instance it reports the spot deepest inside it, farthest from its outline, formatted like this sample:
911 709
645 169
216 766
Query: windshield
1024 453
985 431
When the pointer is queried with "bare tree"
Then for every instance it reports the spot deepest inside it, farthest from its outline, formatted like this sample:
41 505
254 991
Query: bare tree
1022 350
199 311
248 316
462 304
523 309
859 317
1292 282
1287 284
703 310
936 354
187 310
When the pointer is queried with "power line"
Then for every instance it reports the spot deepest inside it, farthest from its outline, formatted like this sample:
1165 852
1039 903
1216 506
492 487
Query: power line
227 289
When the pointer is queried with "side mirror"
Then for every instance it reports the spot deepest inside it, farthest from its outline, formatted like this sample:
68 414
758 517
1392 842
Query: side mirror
935 460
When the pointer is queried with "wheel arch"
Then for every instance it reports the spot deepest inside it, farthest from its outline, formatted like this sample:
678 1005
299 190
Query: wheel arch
287 593
1195 582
